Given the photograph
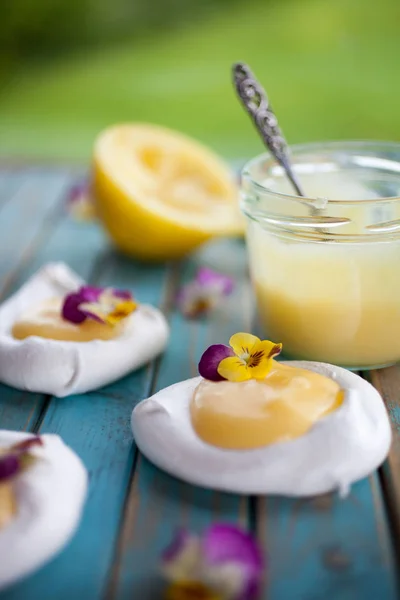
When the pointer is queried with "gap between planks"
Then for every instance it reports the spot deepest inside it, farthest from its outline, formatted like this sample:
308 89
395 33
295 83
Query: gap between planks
387 382
131 503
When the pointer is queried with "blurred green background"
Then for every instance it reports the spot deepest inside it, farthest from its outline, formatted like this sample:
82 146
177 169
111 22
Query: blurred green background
72 67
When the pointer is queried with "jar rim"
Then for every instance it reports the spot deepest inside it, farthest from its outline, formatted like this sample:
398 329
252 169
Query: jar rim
304 149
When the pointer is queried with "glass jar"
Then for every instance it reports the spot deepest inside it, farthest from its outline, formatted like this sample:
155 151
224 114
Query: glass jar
326 267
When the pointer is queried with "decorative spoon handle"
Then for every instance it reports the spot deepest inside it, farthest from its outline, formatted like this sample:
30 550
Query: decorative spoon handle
256 103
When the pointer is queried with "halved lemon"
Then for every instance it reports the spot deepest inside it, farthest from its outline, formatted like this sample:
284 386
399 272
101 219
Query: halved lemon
159 193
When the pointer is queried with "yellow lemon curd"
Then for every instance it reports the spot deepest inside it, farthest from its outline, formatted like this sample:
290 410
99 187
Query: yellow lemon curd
45 320
326 301
8 505
329 302
255 413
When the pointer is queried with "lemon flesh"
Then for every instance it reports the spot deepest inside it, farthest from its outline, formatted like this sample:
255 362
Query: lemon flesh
159 193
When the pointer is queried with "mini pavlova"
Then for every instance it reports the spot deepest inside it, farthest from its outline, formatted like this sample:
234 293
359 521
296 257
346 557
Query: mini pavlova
252 425
42 492
59 336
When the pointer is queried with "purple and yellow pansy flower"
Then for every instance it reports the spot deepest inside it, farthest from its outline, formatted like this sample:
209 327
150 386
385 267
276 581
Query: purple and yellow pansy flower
204 292
247 357
104 305
225 563
80 203
16 458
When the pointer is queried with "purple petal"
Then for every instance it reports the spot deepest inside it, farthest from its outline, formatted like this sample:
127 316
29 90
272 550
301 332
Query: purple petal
210 360
123 294
76 192
177 546
26 445
87 313
223 544
89 293
9 466
209 278
70 310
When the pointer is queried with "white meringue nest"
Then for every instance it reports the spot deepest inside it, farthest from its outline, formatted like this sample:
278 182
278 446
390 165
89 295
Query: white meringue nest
339 449
62 368
50 498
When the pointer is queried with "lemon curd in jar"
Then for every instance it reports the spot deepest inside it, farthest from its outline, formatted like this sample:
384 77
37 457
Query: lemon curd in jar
45 320
252 414
329 292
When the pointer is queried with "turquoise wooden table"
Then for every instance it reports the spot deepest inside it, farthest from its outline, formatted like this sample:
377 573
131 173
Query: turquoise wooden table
318 548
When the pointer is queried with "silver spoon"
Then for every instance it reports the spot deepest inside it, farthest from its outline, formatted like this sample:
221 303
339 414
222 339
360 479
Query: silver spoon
256 103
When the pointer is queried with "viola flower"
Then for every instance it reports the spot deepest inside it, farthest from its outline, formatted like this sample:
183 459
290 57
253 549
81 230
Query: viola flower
225 563
247 358
16 458
105 305
204 292
80 203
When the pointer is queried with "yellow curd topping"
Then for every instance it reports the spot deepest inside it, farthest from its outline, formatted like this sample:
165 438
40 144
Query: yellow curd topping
329 302
255 413
8 507
45 321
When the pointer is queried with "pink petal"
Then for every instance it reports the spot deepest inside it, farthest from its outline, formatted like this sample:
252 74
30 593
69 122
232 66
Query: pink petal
208 365
223 544
208 278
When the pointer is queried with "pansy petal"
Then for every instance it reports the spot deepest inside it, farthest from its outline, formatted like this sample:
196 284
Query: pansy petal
122 294
227 544
208 278
9 466
181 561
120 311
274 349
26 445
242 343
90 293
182 537
94 311
229 580
211 359
190 590
193 300
80 202
71 309
260 370
233 369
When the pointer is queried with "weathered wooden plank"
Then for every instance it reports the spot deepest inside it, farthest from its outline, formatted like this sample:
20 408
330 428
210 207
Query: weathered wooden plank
327 547
157 503
342 550
97 426
10 181
33 207
332 547
321 547
387 382
30 207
